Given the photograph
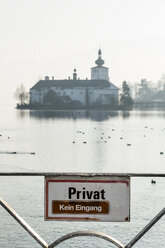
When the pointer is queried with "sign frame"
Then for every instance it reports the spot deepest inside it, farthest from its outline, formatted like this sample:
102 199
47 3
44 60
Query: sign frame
114 182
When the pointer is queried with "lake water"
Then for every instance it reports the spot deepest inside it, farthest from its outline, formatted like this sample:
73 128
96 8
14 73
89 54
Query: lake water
57 138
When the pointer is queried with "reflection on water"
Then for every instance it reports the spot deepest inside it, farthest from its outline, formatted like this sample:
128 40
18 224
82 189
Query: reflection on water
22 113
94 115
125 114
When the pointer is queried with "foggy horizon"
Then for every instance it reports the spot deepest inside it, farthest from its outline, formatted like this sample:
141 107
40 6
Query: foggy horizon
52 38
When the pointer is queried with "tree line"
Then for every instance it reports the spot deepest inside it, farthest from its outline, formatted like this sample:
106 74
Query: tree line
147 91
143 91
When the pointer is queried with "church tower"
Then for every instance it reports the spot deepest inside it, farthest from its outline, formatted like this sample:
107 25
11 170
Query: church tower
99 72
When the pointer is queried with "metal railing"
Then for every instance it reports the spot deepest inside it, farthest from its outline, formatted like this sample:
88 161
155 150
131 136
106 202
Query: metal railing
110 239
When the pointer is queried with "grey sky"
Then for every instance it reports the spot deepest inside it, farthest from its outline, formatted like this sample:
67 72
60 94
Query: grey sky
50 37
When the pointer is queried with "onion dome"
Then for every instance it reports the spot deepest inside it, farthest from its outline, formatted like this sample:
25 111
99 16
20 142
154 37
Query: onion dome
99 62
74 75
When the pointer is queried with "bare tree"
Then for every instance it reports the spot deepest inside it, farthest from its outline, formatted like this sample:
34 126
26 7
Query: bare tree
21 95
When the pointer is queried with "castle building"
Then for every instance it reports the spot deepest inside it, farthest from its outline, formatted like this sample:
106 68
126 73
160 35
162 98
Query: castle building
96 92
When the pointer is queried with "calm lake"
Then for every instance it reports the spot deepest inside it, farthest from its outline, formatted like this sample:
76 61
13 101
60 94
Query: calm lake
81 141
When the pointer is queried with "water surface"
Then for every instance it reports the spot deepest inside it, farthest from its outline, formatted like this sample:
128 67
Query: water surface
81 141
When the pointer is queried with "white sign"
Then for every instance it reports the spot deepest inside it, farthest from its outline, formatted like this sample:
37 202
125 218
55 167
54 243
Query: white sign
87 198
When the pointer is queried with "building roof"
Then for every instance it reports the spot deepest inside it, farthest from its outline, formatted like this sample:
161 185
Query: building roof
72 84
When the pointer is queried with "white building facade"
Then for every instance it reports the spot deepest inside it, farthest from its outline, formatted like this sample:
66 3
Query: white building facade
97 92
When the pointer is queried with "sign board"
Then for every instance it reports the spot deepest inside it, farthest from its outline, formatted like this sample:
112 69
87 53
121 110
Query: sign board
86 198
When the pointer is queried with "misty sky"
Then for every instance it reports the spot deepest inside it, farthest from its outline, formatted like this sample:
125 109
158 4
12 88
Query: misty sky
51 37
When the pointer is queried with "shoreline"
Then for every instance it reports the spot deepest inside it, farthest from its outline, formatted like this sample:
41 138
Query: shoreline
30 107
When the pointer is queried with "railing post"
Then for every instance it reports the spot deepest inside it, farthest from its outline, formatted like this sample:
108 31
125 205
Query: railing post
20 220
145 229
13 213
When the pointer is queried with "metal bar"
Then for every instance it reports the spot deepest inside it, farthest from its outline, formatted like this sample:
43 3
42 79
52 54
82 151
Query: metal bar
13 213
146 228
86 233
81 174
